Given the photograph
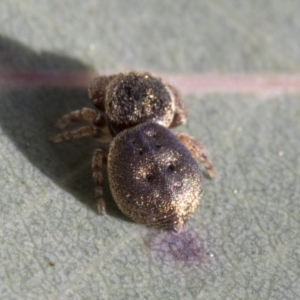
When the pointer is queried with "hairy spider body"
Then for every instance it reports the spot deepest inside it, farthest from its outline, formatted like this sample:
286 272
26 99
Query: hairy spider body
153 174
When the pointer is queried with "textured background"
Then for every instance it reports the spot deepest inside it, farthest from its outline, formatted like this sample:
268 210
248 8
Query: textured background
244 240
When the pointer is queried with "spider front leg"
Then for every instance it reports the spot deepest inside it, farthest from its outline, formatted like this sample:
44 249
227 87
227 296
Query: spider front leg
180 114
84 131
84 114
198 151
97 90
97 130
97 164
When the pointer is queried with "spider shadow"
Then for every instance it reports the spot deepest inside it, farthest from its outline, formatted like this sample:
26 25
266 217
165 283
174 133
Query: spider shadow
28 114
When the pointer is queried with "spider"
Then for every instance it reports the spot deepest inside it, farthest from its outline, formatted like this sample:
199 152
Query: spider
153 173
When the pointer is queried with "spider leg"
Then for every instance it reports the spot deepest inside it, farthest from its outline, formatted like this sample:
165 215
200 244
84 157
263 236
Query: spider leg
180 114
97 90
78 133
85 114
198 152
97 163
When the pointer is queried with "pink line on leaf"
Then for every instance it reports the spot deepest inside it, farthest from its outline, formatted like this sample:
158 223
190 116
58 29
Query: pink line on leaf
237 83
265 84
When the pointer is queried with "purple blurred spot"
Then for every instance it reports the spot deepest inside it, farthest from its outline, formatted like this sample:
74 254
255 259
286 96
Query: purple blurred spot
184 246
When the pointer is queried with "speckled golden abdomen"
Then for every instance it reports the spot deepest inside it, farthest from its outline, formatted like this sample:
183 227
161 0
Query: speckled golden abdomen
153 177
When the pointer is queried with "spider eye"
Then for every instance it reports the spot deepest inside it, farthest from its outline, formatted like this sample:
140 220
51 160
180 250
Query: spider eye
128 91
171 168
150 178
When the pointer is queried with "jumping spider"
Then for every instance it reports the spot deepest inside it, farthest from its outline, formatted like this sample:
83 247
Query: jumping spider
153 174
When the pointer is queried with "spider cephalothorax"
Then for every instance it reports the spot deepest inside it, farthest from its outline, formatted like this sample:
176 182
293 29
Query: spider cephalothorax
135 98
153 173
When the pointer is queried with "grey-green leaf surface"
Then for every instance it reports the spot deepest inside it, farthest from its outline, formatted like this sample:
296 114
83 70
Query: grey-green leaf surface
243 241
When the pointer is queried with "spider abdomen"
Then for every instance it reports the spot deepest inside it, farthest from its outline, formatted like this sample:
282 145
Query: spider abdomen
153 177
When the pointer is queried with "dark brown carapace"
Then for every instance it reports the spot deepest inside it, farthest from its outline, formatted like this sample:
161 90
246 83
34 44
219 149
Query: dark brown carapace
153 174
